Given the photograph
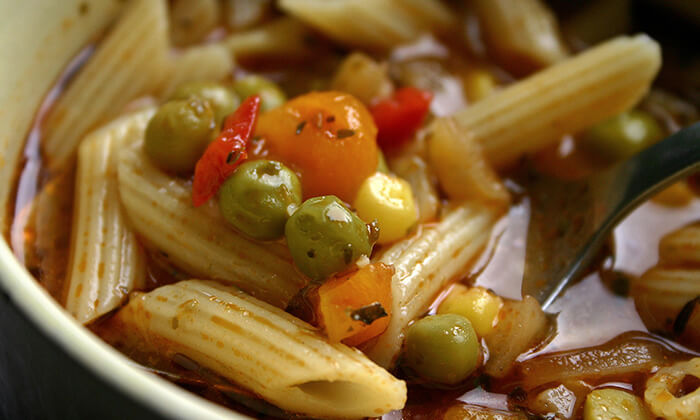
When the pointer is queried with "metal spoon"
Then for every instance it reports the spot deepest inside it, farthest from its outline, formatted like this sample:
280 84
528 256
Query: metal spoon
571 220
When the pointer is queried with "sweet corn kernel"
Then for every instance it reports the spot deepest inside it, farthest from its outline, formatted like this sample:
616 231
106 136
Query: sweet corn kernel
388 200
475 304
604 404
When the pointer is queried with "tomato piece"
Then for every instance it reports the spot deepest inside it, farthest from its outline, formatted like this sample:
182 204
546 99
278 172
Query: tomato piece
355 307
328 138
226 153
400 116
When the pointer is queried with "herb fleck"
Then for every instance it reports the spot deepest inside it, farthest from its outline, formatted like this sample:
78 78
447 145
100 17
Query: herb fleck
368 314
311 253
232 157
343 133
300 127
330 119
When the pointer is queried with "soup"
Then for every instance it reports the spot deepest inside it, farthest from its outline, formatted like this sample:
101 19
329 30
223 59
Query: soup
335 225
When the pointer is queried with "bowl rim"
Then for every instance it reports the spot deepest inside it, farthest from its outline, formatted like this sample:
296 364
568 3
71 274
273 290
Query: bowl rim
100 358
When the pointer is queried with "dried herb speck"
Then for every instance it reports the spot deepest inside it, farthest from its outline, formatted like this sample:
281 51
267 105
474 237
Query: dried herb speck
232 157
344 133
330 119
300 127
368 314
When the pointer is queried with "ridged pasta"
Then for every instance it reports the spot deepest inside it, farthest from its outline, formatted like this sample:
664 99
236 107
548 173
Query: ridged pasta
261 347
424 264
362 77
106 261
192 20
198 240
283 37
661 293
461 168
564 98
244 13
661 391
130 61
681 247
209 62
379 24
523 35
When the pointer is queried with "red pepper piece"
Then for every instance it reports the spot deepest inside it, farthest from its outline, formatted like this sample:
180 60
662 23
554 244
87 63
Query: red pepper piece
226 153
399 117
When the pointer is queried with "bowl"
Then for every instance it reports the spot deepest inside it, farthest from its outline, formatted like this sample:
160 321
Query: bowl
50 366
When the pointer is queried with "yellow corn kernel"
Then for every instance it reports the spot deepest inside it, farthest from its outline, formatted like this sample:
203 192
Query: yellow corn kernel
478 84
475 304
608 404
388 200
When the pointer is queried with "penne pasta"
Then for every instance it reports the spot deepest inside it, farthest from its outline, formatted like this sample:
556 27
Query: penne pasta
192 20
362 77
285 37
565 98
380 24
106 262
244 13
661 293
522 35
130 61
259 346
681 247
461 168
198 240
424 264
205 63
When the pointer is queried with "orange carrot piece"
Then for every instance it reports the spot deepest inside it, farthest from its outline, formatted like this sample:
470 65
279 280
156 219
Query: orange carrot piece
355 307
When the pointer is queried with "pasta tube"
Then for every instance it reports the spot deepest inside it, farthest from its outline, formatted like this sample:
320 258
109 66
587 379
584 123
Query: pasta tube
282 37
130 61
209 62
460 166
424 264
681 247
259 346
380 24
192 20
106 261
245 13
564 98
523 35
198 240
661 293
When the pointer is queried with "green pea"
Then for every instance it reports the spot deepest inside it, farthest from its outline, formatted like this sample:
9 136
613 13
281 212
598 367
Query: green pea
324 237
623 135
270 94
221 98
178 133
442 348
259 198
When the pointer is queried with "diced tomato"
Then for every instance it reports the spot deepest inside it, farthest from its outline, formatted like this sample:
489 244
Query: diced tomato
226 153
355 307
399 117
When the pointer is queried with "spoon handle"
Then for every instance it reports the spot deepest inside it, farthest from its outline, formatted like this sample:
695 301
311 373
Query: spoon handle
620 189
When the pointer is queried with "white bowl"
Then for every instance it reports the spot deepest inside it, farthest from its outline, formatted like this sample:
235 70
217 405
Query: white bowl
37 39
